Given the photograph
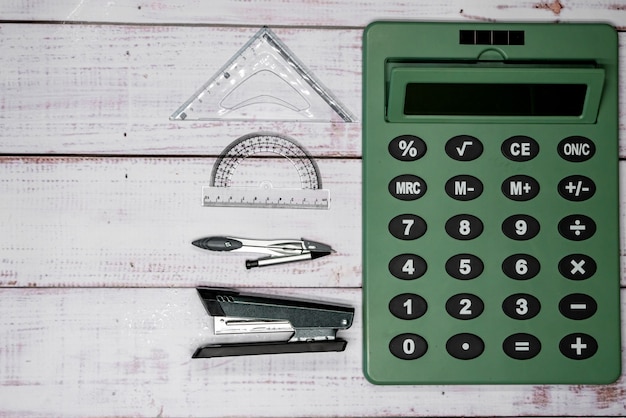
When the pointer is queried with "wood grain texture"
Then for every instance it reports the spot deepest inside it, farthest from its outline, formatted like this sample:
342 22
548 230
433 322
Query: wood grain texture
127 352
130 222
101 199
310 13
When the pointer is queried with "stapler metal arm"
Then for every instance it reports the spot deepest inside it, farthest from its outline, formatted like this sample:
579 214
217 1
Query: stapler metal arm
292 325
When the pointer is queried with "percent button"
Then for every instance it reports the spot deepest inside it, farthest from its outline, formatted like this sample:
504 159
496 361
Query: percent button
407 148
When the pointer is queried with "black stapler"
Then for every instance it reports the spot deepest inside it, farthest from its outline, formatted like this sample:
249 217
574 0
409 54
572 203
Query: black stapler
272 325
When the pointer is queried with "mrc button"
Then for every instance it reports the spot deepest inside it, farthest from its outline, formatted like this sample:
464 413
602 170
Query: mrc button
407 187
576 149
520 148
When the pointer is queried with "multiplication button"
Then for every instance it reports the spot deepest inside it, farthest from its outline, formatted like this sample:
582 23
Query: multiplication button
577 266
578 346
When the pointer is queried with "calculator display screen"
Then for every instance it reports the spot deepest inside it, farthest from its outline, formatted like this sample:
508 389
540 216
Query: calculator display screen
497 99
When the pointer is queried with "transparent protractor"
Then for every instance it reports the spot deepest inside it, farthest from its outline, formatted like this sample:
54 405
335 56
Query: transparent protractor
233 159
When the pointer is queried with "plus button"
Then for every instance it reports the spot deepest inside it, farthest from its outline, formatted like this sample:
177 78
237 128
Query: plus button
578 346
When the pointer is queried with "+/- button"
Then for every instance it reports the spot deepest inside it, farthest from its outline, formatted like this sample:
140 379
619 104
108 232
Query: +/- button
576 188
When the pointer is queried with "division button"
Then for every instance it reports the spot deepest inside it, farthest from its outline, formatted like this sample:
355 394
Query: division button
407 148
521 306
521 346
464 148
407 266
407 227
465 306
520 148
407 187
576 188
578 306
577 227
464 227
520 188
520 227
521 266
408 346
578 346
464 187
408 306
465 346
576 149
464 266
577 266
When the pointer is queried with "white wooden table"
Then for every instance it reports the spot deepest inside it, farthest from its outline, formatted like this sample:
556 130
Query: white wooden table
98 312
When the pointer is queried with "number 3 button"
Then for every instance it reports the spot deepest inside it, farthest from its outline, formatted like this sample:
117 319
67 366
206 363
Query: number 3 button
521 306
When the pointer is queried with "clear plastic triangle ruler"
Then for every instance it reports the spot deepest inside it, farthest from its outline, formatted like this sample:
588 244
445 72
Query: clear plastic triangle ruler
264 80
266 170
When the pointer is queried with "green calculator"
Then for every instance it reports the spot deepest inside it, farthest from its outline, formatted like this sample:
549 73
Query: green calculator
490 203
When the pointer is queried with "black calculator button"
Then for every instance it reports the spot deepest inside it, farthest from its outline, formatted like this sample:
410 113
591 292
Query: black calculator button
578 346
407 187
408 306
408 346
464 266
577 227
577 266
520 188
464 148
464 187
576 188
520 148
521 266
520 227
407 148
578 306
521 346
576 149
407 266
521 306
407 227
465 346
465 306
464 227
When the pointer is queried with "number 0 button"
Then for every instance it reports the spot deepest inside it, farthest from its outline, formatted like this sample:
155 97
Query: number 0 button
408 346
464 227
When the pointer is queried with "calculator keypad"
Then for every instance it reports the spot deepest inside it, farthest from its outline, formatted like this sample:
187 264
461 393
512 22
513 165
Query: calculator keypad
516 227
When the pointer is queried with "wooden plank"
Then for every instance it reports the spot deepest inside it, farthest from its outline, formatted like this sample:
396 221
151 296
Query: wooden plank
127 352
304 13
130 221
89 89
111 89
96 221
